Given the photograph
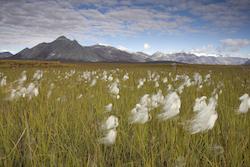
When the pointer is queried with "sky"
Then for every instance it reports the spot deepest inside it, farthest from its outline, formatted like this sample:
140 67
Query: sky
204 27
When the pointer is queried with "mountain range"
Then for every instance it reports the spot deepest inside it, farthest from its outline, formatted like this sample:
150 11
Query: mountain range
191 58
247 63
5 54
64 49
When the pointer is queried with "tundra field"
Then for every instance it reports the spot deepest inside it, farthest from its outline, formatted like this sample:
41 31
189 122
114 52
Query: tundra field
101 114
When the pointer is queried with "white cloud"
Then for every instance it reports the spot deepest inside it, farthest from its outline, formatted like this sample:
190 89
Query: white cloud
227 47
146 46
104 44
233 45
207 50
3 50
238 43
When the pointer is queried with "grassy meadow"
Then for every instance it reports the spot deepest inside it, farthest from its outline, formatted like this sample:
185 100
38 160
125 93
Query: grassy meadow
61 125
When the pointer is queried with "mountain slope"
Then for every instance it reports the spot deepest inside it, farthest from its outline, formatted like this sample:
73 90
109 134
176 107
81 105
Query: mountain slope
247 63
141 57
64 49
5 54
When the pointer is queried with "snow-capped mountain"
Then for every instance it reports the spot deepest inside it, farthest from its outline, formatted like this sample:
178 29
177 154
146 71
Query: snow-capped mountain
191 58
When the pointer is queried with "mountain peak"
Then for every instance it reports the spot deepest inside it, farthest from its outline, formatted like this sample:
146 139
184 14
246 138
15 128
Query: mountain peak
70 50
62 38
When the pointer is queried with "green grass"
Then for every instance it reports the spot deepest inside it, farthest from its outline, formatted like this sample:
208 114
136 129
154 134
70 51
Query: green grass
47 132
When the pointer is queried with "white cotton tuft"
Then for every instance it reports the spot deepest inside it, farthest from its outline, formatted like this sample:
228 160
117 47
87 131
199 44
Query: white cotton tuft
104 76
86 75
156 99
109 107
170 87
13 94
22 91
245 103
22 79
186 82
79 97
180 89
197 79
109 126
212 121
206 116
165 80
200 104
110 78
3 81
109 138
32 90
157 84
93 83
141 83
145 100
139 115
38 75
110 123
125 77
69 74
171 106
207 78
51 87
114 89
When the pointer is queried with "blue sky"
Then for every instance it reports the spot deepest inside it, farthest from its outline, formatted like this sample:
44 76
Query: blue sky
204 27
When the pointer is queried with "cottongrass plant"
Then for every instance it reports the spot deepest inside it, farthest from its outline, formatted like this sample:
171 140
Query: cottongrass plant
71 123
245 103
